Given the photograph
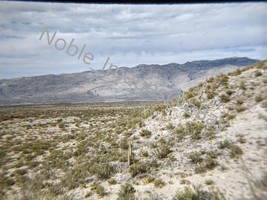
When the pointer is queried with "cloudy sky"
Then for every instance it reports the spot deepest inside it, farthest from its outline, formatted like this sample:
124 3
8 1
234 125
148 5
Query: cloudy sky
126 34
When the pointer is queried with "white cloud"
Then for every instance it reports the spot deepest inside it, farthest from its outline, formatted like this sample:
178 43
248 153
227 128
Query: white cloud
128 34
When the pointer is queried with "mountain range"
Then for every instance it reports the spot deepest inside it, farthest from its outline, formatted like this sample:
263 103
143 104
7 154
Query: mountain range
141 83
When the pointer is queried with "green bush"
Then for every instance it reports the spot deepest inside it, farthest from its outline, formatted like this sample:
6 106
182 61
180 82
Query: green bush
138 168
196 102
194 129
258 98
210 95
207 164
100 190
126 192
61 125
145 133
195 158
242 85
197 193
163 151
235 151
240 108
102 170
235 73
229 92
180 132
223 79
225 98
258 73
189 95
170 126
159 183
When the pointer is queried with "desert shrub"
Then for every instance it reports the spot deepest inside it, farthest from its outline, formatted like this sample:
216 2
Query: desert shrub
124 143
75 177
224 98
126 192
230 116
148 179
229 92
160 108
241 139
210 163
196 102
197 193
102 170
112 181
195 158
258 73
163 151
223 79
145 133
242 85
207 164
180 132
138 168
100 190
210 95
153 164
240 108
188 95
61 125
235 73
258 98
159 183
144 153
186 115
170 126
194 129
224 144
209 182
235 151
6 181
210 80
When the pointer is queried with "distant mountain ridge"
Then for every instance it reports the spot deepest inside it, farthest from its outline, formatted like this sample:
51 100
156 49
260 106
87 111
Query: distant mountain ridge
140 83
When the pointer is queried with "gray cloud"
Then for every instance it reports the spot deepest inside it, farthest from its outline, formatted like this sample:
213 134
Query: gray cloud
128 34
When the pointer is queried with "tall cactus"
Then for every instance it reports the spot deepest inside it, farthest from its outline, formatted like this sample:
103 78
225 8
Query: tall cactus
129 153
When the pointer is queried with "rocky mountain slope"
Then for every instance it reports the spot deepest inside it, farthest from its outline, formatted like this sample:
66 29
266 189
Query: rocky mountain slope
140 83
215 135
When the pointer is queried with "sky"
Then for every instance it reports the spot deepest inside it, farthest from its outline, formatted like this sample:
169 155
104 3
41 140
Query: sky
126 35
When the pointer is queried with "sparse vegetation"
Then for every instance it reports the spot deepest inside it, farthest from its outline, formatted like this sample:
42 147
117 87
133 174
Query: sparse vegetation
127 191
100 148
258 73
258 98
209 182
159 183
197 193
235 151
100 190
196 102
224 98
242 85
138 168
145 133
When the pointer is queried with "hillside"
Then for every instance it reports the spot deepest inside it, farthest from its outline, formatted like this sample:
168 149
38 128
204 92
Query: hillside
140 83
208 143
